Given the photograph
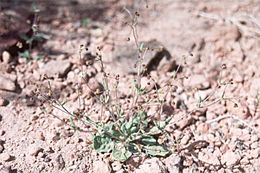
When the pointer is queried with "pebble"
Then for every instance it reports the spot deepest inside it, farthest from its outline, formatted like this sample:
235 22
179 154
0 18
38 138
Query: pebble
5 157
254 138
209 158
5 169
230 158
153 165
7 84
255 153
40 135
59 162
185 139
101 167
167 66
244 161
34 150
116 166
203 128
6 57
56 67
3 102
254 145
198 81
173 163
182 124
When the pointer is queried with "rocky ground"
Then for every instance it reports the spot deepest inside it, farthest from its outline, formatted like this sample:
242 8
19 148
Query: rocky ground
212 46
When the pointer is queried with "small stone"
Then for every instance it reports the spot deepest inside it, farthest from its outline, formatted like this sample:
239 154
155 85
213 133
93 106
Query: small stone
185 139
97 32
209 158
153 165
255 153
58 68
254 145
6 57
203 128
167 66
135 161
244 161
230 158
40 135
197 81
5 157
3 102
34 150
254 138
60 163
168 109
182 124
116 166
224 33
7 84
5 169
101 167
173 163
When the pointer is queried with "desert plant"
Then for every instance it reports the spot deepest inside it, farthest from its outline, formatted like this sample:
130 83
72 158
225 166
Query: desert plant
127 137
36 36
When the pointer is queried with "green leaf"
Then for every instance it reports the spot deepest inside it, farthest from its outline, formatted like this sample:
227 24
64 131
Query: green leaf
155 131
126 128
41 36
102 143
25 54
85 22
139 117
121 153
133 130
156 150
134 137
72 124
133 148
148 140
110 128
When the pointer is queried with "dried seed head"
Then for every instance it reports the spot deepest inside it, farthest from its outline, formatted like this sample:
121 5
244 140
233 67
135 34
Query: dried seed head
224 66
137 14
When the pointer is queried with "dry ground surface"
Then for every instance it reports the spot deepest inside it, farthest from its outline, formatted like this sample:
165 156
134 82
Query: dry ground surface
212 46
